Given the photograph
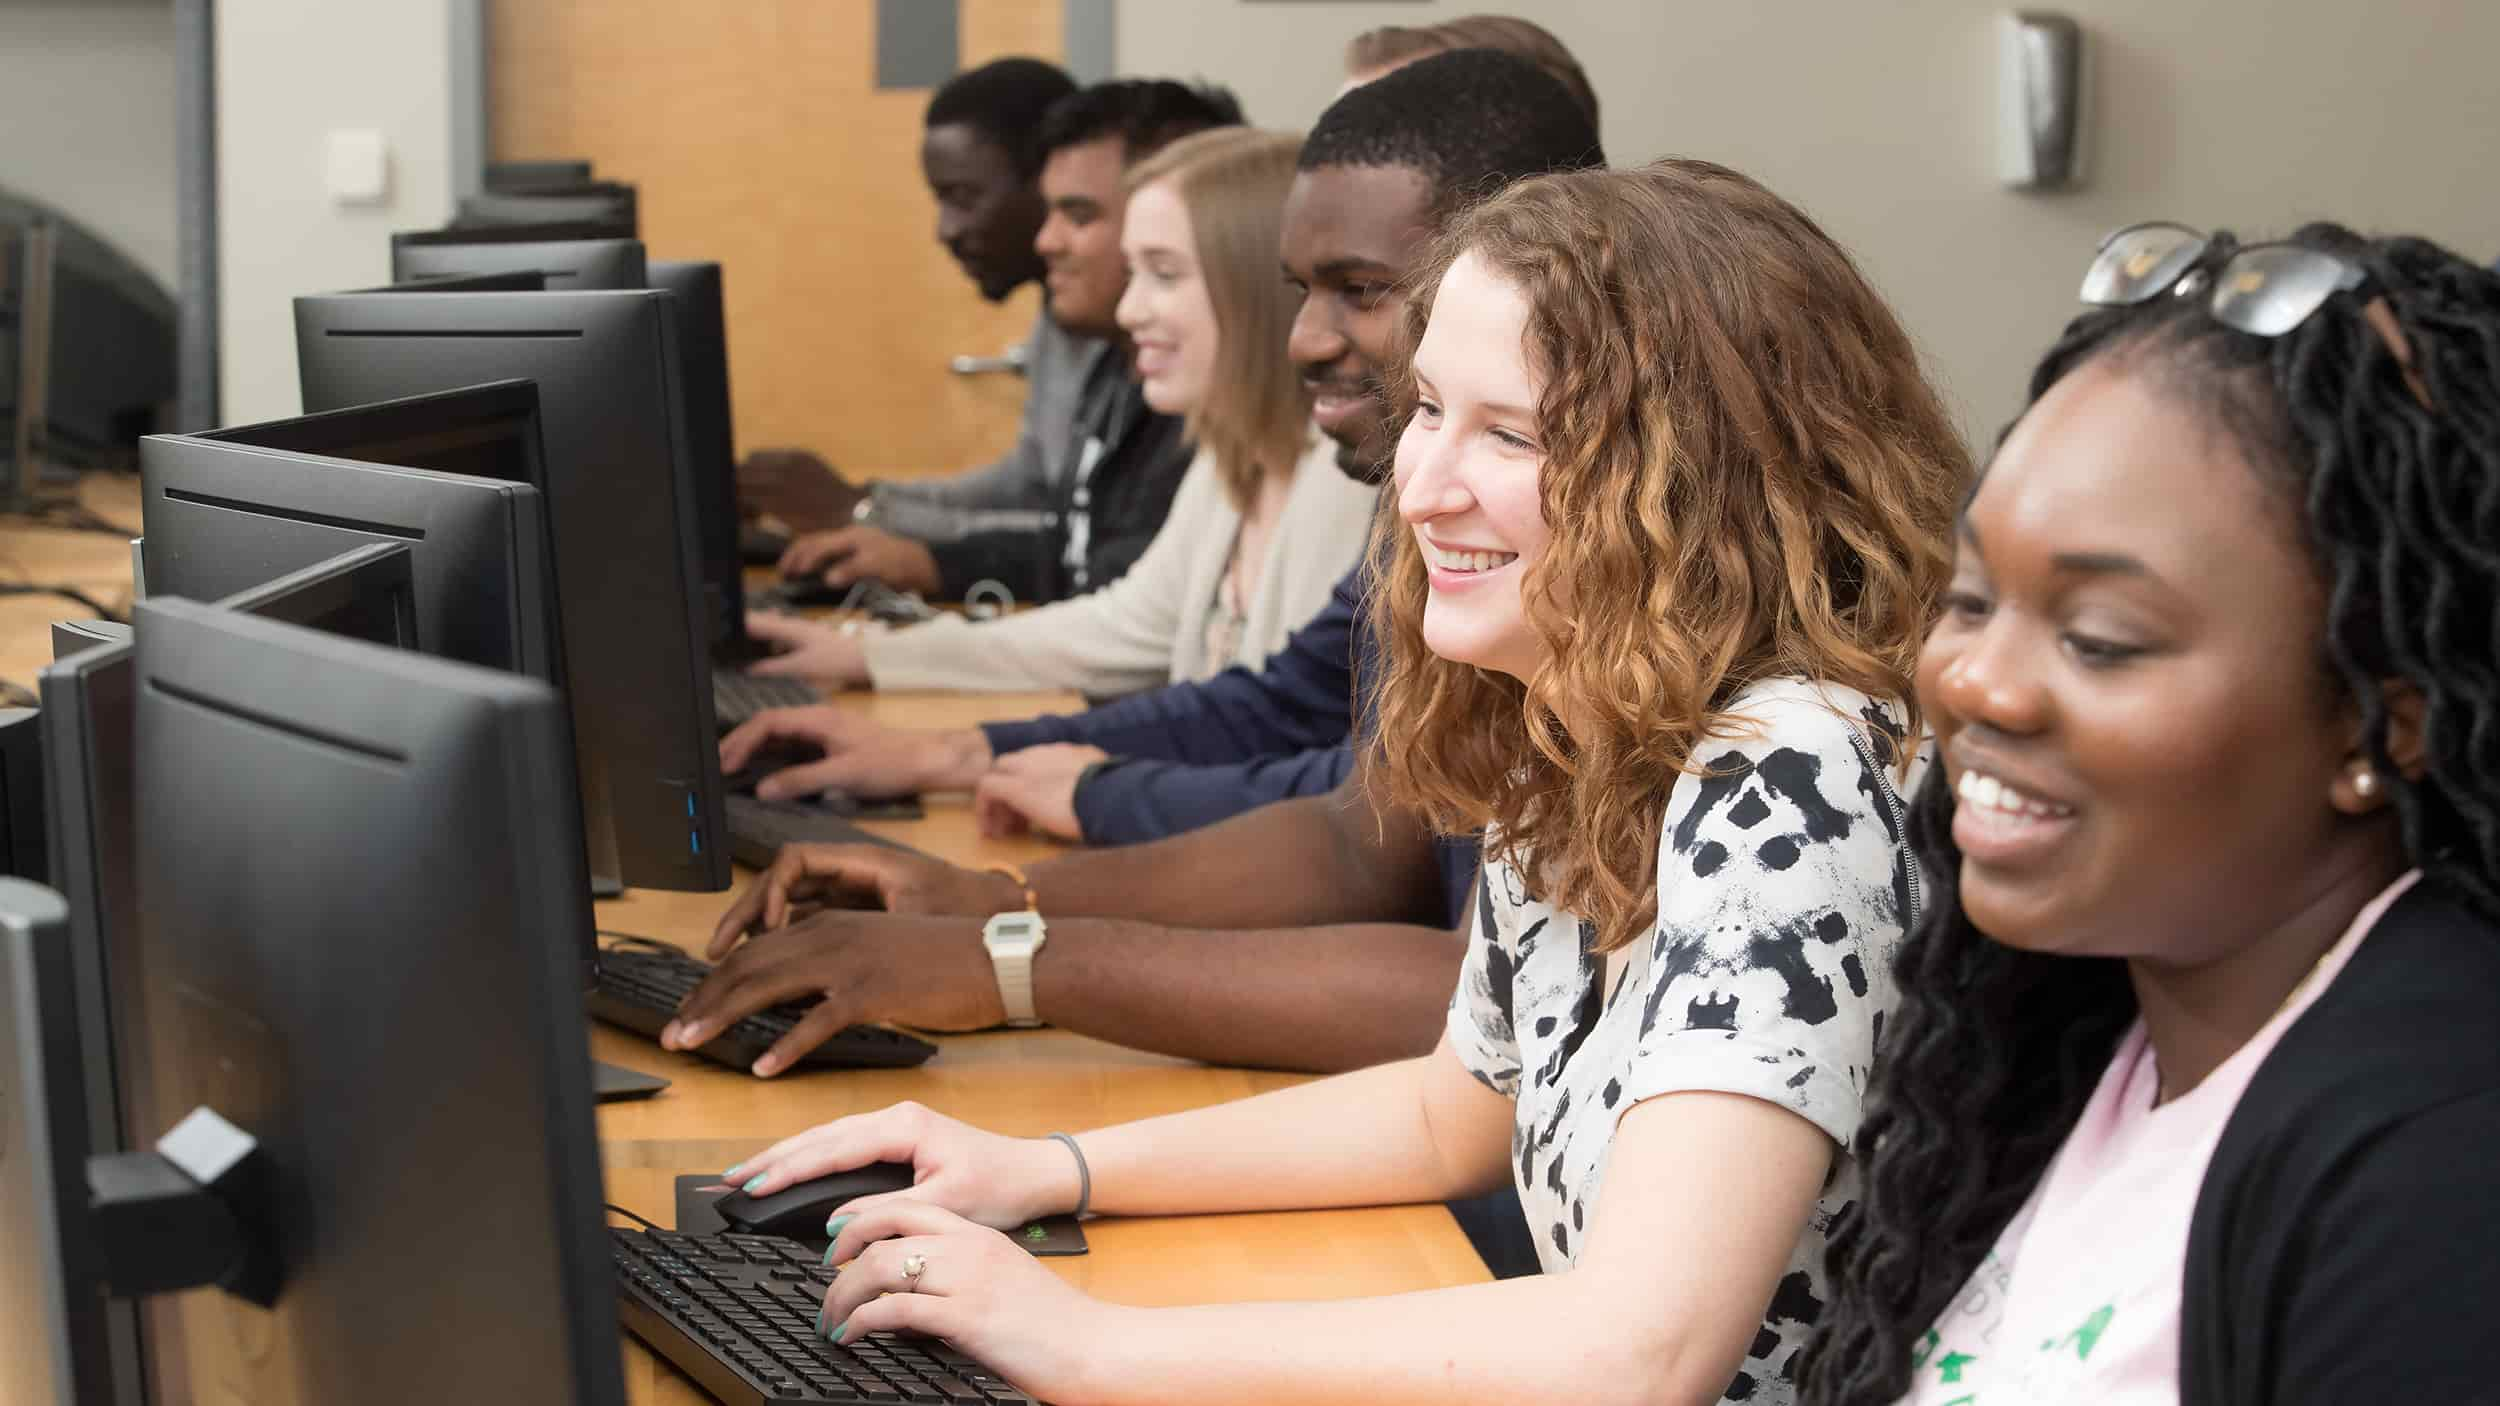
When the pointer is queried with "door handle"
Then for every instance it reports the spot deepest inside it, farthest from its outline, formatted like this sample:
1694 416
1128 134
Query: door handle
1011 361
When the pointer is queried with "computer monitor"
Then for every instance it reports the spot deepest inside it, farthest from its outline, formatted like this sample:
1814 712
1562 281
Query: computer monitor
21 795
524 175
55 1338
703 353
566 264
88 705
234 508
344 892
596 202
507 281
364 593
621 496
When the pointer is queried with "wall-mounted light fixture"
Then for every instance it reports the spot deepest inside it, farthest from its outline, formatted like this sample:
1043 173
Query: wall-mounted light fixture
2040 100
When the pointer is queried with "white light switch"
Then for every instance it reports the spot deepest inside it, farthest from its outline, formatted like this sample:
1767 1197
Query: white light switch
359 168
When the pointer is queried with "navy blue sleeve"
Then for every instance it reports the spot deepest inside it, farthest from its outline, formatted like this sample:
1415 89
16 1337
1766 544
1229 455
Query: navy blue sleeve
1131 802
1302 700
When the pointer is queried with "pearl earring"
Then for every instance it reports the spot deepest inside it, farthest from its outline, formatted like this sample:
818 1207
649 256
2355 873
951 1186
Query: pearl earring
2365 783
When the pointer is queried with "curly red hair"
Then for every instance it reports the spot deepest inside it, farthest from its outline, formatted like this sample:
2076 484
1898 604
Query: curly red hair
1748 476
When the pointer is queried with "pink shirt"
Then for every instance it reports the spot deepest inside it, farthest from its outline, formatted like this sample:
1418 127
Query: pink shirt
2079 1300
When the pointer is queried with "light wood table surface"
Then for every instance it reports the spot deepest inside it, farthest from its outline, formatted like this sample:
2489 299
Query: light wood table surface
1018 1082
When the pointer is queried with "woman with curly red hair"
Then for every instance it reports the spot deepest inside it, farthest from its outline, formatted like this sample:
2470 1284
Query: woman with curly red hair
1671 514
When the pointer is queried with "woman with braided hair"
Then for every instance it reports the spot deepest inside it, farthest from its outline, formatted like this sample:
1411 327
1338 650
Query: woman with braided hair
2195 1079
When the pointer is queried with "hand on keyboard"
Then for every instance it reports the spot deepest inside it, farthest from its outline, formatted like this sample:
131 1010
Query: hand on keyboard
927 973
804 649
901 881
975 1289
853 755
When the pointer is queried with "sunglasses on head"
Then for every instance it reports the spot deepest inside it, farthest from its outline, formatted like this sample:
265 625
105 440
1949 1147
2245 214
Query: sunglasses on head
2265 290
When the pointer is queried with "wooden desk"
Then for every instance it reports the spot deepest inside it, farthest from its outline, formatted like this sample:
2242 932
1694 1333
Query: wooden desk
1021 1082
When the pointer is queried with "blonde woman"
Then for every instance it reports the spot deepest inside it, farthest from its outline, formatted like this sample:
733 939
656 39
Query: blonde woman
1263 524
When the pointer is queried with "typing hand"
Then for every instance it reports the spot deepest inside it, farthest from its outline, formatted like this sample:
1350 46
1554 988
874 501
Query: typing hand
976 1290
995 1180
861 757
796 487
850 554
1034 789
897 880
808 650
929 973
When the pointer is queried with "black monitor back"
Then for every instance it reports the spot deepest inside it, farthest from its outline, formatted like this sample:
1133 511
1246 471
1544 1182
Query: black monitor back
703 353
527 280
594 202
350 859
523 175
365 593
55 1342
21 795
566 265
89 703
230 510
622 500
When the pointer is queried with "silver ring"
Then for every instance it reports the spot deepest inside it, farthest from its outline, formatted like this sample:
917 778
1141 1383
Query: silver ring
912 1267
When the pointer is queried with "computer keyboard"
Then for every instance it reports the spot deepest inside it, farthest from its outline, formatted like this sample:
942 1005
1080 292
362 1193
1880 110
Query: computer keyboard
758 829
737 1313
641 984
737 696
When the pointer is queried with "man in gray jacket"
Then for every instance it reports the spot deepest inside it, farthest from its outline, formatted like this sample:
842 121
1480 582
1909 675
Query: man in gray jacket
982 159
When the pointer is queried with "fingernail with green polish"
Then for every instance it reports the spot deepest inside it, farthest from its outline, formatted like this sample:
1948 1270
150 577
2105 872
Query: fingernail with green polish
731 1176
756 1185
842 1330
834 1226
827 1261
820 1324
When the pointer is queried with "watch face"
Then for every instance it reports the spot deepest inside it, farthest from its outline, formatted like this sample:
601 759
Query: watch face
1012 929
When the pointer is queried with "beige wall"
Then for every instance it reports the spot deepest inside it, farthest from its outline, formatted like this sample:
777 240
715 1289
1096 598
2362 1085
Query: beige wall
289 71
87 118
1876 117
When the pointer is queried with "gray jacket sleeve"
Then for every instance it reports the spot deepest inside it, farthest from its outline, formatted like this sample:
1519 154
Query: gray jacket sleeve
941 508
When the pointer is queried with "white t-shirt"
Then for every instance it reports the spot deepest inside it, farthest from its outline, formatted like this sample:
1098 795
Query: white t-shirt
2079 1300
1784 886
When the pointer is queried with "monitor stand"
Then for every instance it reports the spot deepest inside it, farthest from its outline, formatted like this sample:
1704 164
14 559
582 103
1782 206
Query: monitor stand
616 1084
605 886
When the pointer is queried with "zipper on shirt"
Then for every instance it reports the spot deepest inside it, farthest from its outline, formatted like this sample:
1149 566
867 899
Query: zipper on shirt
1900 825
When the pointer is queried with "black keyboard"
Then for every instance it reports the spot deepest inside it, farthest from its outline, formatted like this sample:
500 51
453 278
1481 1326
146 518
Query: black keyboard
737 697
737 1313
758 829
641 984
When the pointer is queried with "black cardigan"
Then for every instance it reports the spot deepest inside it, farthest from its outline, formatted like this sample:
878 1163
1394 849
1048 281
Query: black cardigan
2346 1241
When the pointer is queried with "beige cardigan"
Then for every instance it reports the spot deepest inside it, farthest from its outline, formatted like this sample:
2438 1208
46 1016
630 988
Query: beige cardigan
1149 627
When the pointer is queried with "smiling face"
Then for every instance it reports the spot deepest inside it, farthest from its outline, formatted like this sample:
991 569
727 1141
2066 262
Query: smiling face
1080 238
1468 467
1167 313
1352 233
987 213
2150 759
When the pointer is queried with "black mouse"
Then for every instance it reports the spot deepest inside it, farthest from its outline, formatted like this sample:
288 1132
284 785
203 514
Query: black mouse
800 1212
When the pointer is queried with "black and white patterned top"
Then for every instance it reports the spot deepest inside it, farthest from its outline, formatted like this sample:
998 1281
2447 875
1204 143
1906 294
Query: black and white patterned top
1784 885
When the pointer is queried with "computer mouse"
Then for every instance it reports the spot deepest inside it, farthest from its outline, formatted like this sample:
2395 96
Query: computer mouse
800 1212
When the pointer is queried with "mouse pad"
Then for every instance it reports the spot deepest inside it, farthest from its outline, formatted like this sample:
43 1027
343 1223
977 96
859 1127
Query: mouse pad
1049 1236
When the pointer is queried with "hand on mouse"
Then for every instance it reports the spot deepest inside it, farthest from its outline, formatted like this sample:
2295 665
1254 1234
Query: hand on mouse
806 649
861 757
995 1180
1035 789
899 880
930 973
975 1289
847 555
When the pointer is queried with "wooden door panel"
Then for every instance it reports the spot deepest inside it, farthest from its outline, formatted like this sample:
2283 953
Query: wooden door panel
756 136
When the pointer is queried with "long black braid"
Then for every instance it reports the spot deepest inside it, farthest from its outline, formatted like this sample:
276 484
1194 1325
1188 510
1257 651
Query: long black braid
1994 1052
